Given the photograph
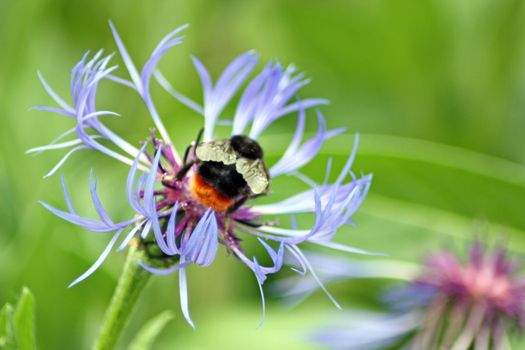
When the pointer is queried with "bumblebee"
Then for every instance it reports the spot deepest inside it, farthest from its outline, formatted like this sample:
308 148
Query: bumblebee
228 172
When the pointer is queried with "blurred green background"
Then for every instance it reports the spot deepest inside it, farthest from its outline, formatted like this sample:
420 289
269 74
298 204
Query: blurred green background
435 87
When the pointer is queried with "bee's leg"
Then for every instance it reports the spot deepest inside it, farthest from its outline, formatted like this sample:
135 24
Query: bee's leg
192 146
243 200
249 223
253 196
186 166
186 154
168 182
184 169
199 136
237 204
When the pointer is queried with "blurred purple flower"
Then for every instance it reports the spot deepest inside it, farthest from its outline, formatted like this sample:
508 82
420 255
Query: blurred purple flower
449 305
185 231
480 299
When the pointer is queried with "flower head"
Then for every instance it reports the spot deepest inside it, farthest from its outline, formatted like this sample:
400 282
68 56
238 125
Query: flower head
448 304
480 298
185 207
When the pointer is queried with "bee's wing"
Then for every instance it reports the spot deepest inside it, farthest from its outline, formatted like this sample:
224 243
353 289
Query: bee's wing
216 151
254 173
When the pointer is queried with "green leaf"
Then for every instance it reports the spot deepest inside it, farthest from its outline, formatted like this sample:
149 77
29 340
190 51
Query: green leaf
150 331
23 321
7 338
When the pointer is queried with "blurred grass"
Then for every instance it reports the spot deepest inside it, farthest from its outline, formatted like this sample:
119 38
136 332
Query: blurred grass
435 87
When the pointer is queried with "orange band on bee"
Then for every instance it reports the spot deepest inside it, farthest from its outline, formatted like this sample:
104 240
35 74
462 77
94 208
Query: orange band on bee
208 196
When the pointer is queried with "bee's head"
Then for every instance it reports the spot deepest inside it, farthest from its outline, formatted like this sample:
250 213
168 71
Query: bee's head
246 147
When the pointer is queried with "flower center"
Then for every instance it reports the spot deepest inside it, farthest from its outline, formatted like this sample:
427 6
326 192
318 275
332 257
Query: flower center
484 284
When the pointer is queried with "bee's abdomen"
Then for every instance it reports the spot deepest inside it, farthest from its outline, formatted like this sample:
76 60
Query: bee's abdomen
223 177
217 185
208 196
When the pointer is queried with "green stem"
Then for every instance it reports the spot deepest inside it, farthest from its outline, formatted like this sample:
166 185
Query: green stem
131 283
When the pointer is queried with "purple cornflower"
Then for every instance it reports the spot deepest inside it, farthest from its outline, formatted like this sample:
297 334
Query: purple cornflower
166 213
480 299
447 305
